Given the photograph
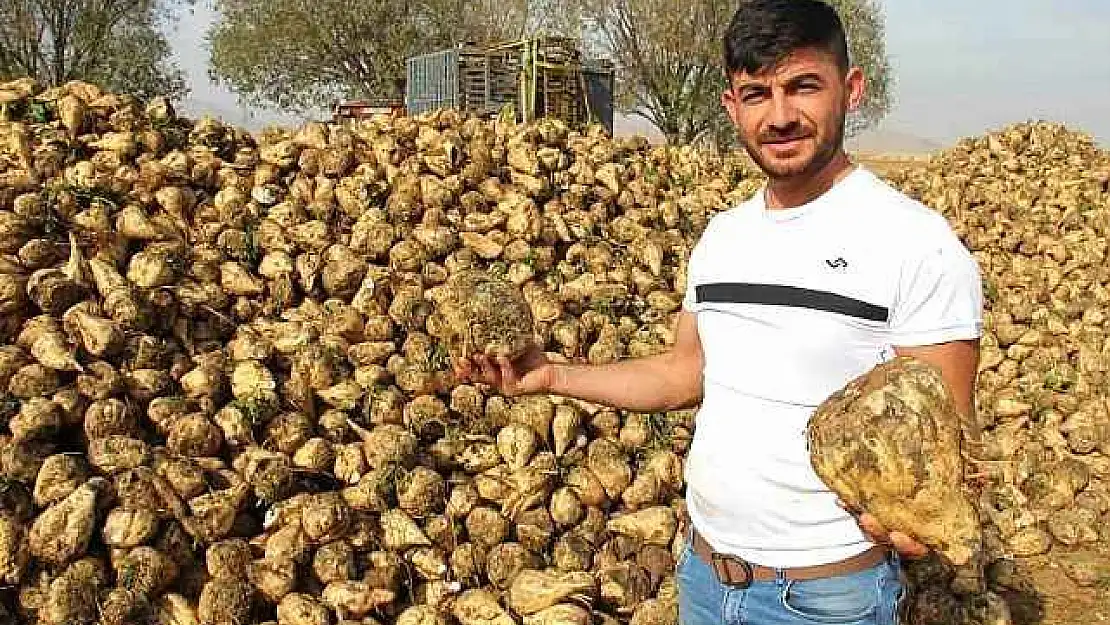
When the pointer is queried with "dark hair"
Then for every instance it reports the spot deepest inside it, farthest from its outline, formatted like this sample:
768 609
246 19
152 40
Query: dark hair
763 32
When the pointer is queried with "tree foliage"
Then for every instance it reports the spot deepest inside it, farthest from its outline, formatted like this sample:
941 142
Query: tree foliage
669 61
304 54
867 42
117 44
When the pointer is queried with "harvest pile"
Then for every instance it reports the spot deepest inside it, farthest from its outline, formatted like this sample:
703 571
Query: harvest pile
225 374
1032 202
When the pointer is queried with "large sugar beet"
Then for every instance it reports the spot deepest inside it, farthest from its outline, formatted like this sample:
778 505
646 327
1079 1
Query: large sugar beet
482 314
889 443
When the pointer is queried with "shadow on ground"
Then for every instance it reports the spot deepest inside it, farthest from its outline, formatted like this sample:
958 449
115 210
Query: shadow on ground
942 595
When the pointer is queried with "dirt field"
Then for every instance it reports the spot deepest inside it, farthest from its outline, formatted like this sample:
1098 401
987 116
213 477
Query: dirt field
884 163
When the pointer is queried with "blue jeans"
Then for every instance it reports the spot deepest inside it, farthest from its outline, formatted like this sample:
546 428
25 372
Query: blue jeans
869 597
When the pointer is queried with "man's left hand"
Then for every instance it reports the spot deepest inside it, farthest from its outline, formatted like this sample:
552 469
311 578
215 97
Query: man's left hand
907 547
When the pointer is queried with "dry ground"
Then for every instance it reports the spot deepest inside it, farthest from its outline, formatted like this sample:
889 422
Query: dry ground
884 163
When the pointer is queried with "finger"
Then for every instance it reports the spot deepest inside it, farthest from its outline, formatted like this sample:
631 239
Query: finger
873 529
463 368
461 375
908 547
508 374
871 524
867 527
489 372
850 509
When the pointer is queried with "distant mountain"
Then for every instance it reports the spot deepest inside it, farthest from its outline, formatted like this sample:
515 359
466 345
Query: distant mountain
892 142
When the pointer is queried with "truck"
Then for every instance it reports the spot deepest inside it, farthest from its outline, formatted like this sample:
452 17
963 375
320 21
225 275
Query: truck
361 109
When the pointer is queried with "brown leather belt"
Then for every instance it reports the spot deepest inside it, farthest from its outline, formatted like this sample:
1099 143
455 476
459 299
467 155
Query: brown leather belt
733 571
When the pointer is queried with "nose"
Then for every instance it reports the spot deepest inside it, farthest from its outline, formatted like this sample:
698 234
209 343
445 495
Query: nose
783 114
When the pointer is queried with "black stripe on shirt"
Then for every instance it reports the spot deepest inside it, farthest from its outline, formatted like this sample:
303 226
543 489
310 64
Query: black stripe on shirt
778 295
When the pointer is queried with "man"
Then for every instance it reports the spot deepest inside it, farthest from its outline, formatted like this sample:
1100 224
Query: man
824 274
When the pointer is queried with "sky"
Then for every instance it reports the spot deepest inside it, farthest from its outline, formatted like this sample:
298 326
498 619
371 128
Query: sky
961 67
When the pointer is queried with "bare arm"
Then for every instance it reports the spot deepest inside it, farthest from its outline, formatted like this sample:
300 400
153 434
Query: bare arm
958 362
668 381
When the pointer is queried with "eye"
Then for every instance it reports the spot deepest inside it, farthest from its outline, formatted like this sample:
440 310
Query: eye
752 96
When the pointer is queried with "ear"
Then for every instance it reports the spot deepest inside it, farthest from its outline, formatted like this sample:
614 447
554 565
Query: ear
856 83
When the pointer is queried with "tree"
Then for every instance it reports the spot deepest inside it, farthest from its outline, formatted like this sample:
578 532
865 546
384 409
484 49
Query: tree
668 58
867 47
299 54
117 44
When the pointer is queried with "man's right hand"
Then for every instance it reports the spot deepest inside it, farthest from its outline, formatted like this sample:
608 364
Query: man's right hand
530 373
668 381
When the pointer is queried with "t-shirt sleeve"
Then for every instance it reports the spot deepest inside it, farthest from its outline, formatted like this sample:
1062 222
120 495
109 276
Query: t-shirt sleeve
693 276
939 297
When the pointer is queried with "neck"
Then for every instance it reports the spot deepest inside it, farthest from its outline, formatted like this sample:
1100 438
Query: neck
798 190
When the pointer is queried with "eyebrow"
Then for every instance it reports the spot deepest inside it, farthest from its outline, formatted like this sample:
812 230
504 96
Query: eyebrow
743 85
805 76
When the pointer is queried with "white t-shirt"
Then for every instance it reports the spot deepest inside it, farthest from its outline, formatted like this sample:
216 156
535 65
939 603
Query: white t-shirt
791 305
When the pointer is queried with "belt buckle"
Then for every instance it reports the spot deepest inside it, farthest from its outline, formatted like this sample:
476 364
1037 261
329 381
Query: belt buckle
720 569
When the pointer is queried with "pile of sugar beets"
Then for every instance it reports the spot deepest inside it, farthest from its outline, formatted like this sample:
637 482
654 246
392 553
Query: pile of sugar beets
225 365
1032 202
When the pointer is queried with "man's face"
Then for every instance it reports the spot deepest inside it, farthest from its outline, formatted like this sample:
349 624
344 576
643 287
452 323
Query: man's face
790 117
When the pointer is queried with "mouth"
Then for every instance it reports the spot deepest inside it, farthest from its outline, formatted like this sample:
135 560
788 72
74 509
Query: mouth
785 144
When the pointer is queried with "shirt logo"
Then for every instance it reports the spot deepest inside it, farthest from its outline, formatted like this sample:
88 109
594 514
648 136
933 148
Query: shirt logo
837 263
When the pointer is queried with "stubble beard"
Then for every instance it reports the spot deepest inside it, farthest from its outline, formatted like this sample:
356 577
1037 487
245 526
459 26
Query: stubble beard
822 156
